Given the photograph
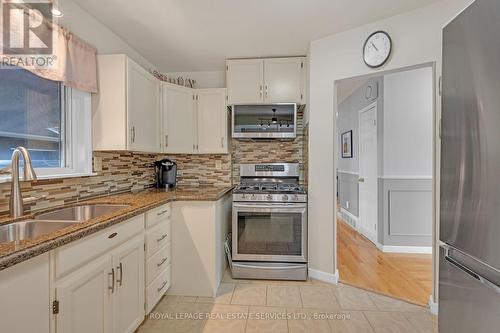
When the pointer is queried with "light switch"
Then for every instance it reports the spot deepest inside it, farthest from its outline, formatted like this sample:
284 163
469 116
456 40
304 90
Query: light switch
218 164
97 164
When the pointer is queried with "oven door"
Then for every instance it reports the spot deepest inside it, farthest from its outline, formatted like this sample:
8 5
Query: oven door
270 232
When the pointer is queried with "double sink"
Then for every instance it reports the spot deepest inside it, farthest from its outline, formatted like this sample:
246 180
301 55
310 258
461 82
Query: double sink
54 220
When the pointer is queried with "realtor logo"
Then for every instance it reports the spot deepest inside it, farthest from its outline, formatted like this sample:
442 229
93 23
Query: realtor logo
27 28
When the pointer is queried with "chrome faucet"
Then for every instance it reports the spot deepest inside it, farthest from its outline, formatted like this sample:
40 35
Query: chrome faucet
16 198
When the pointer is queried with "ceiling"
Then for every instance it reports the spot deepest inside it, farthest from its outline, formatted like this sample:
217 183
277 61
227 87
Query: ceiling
198 35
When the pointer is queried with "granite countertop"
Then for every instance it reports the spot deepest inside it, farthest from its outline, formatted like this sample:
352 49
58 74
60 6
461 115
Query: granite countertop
12 253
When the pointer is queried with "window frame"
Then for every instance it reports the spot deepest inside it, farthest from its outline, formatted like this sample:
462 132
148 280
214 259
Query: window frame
76 134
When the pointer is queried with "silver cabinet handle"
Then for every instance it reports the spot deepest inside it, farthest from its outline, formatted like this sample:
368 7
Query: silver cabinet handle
112 274
260 91
222 142
162 262
161 238
162 212
132 130
162 286
166 140
267 91
120 268
361 180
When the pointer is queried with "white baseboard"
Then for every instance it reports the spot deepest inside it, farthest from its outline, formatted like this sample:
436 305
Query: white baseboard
323 276
433 306
406 249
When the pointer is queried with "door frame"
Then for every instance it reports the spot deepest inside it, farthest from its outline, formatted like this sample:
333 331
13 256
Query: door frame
361 229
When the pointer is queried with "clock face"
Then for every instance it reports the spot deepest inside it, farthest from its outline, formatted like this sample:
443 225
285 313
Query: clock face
377 49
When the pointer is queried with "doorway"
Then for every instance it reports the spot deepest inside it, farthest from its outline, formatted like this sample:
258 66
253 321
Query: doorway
385 184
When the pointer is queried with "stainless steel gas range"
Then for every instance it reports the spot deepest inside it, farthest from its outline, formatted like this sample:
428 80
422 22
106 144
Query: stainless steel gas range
269 223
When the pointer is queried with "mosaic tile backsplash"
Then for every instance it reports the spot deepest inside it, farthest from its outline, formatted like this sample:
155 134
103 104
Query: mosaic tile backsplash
121 171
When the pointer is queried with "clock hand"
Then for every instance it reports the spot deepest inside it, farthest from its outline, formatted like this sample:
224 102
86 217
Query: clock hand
374 46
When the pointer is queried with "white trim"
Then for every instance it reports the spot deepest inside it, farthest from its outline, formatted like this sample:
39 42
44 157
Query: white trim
348 172
409 177
433 306
344 211
406 249
323 276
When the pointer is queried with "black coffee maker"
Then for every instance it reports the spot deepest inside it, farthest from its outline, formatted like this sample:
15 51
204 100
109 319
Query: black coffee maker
166 173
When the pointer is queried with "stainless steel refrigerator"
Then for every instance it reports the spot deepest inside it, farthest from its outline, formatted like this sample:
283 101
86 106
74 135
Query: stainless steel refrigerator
469 265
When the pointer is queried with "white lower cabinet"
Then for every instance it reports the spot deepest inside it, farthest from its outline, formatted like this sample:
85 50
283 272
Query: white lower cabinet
107 293
25 297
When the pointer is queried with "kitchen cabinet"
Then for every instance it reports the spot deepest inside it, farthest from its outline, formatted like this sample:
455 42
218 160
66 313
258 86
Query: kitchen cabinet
245 81
179 135
25 292
105 294
265 81
194 120
127 109
212 121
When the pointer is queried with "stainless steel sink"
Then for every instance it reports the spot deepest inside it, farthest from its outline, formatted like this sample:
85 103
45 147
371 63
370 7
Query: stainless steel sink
80 213
30 229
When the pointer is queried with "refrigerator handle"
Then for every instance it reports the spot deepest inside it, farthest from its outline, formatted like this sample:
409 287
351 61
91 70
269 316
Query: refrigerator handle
476 276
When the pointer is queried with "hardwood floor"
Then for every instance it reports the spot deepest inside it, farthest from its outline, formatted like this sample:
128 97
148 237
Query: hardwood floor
405 276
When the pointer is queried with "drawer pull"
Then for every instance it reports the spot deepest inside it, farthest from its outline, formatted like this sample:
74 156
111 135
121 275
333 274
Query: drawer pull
163 212
112 235
120 280
112 275
162 262
162 238
162 286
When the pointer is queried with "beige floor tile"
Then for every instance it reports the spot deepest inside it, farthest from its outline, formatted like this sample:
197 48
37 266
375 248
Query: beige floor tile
266 319
385 303
351 298
307 321
350 322
319 297
249 294
224 295
389 322
183 318
423 322
227 318
283 295
182 299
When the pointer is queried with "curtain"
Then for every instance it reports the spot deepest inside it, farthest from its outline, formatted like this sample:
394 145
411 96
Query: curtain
72 60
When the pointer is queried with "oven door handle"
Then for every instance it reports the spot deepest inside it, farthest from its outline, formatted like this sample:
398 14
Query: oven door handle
288 267
270 206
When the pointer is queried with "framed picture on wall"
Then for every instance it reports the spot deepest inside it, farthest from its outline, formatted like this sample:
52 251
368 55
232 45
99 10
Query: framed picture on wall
346 141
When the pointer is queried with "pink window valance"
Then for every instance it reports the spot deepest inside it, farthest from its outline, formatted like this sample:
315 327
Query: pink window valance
71 60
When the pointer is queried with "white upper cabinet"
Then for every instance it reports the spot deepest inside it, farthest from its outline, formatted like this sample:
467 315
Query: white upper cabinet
212 121
282 82
178 120
245 81
194 120
127 108
272 80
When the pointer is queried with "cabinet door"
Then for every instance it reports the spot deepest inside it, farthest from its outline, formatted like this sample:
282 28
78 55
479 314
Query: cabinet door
245 80
143 106
128 302
178 120
212 121
85 299
25 303
282 80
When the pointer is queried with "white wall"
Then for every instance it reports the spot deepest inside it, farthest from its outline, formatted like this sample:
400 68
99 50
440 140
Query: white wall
417 39
205 79
407 135
85 26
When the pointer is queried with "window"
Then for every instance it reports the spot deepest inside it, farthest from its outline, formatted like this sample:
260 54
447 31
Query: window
52 121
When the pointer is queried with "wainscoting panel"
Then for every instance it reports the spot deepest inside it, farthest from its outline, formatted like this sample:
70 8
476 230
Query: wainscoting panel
349 192
405 207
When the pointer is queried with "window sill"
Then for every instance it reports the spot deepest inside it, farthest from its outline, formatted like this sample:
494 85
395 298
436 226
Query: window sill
8 178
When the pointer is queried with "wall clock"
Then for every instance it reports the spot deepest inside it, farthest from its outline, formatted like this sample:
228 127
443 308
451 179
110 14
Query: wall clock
377 49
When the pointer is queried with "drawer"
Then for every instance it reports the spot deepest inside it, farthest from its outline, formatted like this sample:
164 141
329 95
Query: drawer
157 289
158 262
73 255
158 214
157 237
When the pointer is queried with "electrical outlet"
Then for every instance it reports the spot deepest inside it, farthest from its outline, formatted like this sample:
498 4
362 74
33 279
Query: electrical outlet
97 164
347 204
218 165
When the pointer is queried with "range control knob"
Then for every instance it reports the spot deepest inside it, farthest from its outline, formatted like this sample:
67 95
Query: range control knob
296 197
285 197
243 196
253 197
269 197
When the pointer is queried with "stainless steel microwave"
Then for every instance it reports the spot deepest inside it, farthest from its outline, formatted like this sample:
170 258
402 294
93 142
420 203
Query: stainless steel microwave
264 121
